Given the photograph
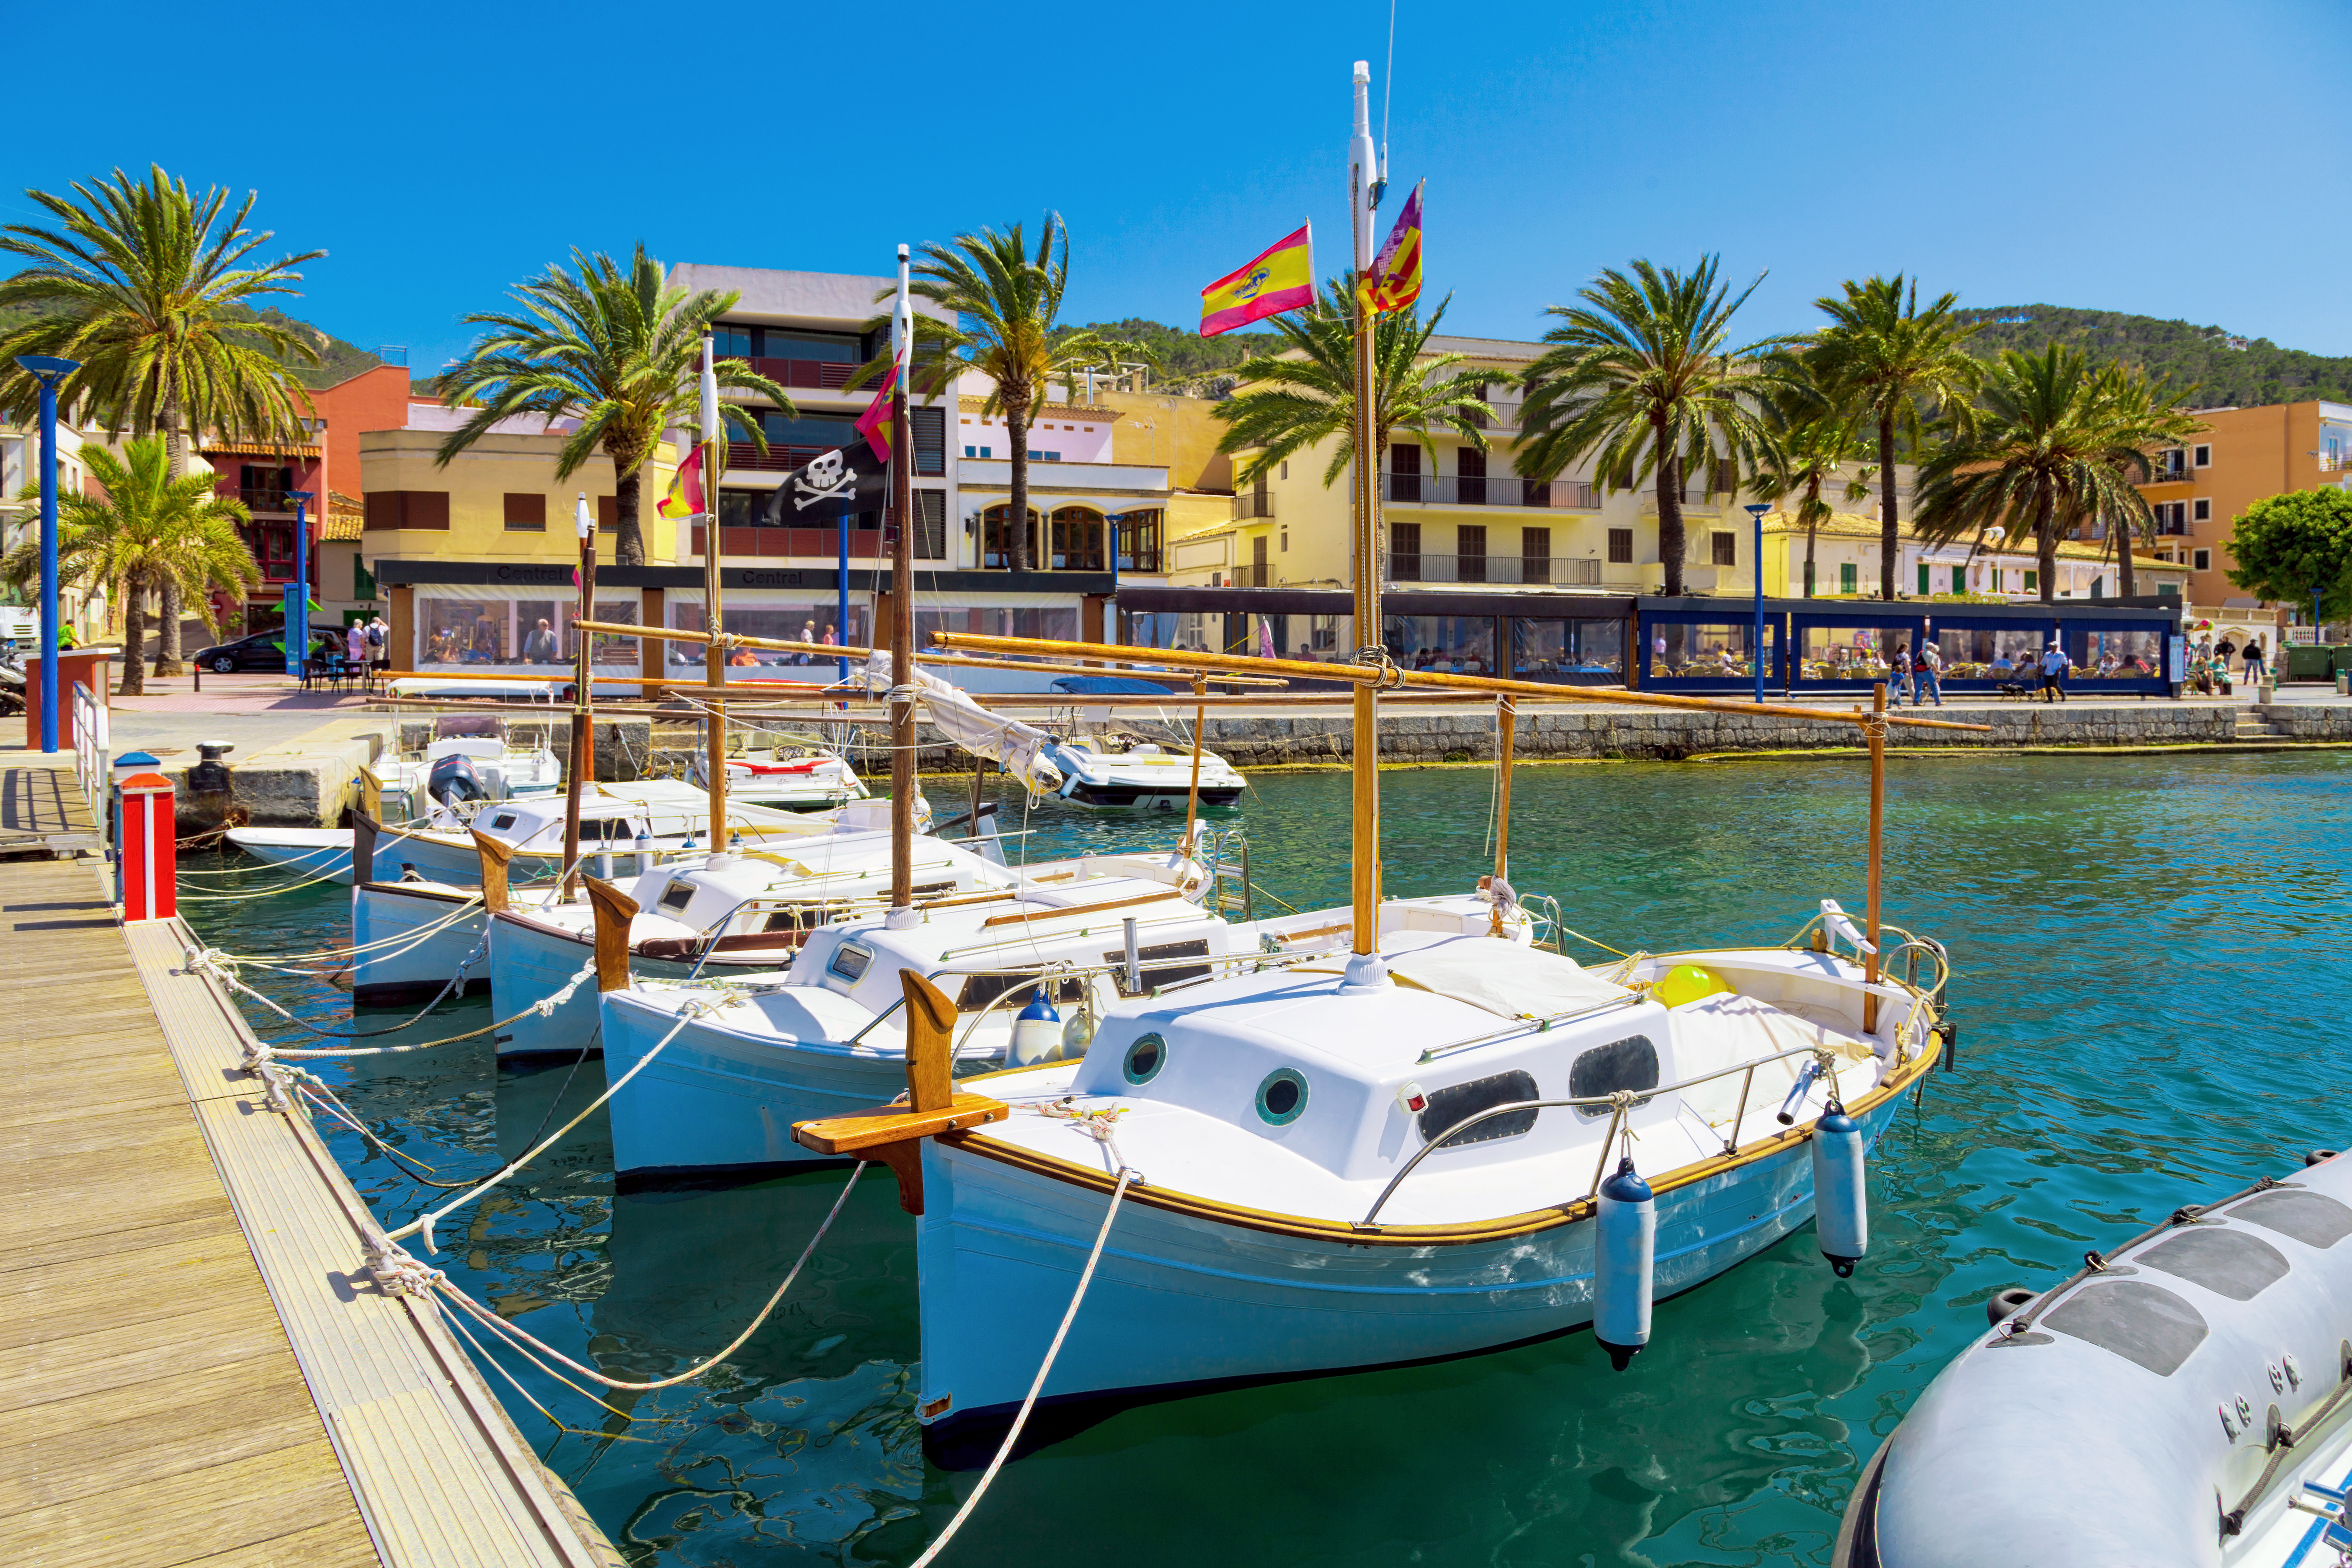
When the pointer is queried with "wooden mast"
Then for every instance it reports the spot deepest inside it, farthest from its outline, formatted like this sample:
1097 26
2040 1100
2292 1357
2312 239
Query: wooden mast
1365 741
583 722
714 658
1193 800
1877 731
902 621
1506 730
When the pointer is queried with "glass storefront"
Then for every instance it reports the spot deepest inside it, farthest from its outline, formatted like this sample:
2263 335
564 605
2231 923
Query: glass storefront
2121 655
1057 622
1453 645
813 622
1558 650
1864 654
1709 650
524 635
1990 653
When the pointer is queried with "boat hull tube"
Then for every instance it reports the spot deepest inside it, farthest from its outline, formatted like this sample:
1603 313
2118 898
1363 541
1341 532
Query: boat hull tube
1242 1252
2133 1415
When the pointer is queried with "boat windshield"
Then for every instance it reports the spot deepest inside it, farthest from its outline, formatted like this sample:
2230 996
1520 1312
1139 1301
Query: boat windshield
468 726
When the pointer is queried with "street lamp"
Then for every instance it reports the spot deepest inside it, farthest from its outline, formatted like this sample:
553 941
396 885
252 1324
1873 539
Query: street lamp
1756 654
48 370
298 593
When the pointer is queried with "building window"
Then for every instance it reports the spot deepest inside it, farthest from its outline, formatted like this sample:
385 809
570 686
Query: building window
1139 542
1849 578
1285 469
1404 471
2033 580
2204 457
1037 457
2202 560
1078 536
1925 587
362 581
930 540
2171 516
526 513
1960 579
1621 546
407 509
995 538
1286 542
929 428
2200 511
1726 550
2170 463
1404 550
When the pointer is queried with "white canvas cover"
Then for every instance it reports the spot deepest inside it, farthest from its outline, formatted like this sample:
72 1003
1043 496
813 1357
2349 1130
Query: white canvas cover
1006 740
1500 977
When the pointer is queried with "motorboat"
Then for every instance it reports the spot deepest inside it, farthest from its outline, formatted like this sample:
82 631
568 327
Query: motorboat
789 775
2182 1399
1120 772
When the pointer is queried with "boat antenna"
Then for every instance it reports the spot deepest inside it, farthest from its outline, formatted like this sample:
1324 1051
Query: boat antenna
1388 91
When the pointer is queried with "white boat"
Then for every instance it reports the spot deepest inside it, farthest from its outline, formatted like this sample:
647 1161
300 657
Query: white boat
313 851
2185 1399
1120 772
807 776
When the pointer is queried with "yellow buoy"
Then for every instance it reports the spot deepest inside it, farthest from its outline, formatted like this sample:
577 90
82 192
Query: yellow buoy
1689 982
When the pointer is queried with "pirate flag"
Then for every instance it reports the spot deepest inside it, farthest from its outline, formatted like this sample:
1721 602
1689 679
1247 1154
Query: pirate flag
848 479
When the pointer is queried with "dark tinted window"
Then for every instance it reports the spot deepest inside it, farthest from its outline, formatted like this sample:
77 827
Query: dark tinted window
1631 1063
1455 1103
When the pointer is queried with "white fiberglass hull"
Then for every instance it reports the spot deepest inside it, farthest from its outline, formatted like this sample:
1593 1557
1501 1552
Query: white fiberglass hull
314 851
528 963
412 939
1183 1301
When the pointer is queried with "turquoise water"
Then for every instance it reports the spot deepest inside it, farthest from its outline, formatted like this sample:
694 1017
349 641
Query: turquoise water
2146 956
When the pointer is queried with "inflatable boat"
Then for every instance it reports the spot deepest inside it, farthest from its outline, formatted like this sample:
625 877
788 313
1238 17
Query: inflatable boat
2180 1402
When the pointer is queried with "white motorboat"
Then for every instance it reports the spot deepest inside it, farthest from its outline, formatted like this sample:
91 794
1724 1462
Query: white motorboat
313 851
2185 1399
1119 772
789 776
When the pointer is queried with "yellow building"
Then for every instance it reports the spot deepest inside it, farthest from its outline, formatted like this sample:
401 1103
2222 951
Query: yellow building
1847 547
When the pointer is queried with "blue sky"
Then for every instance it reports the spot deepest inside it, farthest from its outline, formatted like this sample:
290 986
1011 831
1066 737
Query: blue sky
2167 159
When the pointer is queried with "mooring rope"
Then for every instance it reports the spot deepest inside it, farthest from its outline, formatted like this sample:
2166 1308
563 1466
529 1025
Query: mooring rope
262 1050
212 961
1085 1278
414 938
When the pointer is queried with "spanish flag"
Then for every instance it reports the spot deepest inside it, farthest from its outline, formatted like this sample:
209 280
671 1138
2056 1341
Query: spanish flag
1394 282
684 497
1281 278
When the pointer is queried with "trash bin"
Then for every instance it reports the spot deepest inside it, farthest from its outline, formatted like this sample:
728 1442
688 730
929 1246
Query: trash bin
2343 683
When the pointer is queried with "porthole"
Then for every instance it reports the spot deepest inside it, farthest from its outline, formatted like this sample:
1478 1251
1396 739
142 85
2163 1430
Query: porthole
1145 1057
1281 1096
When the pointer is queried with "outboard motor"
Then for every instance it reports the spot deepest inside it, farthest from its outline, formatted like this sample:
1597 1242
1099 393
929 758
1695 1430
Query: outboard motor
454 780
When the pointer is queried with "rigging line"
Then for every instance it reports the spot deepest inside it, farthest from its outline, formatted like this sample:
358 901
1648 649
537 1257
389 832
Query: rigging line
1388 91
458 1323
1085 1278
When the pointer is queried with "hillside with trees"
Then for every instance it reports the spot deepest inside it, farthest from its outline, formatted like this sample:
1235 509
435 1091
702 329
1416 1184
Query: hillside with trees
1181 355
2226 369
338 361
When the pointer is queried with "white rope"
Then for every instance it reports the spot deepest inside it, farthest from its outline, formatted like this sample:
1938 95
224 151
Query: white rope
422 1226
257 892
413 938
545 1007
515 1336
211 961
1085 1278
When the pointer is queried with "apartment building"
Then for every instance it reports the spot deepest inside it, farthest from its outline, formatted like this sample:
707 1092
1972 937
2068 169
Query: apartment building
2244 456
1846 548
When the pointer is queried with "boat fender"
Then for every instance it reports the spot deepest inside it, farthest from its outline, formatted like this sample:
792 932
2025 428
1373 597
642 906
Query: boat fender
2004 1305
645 848
1841 1196
1037 1033
2319 1156
1079 1029
1625 1250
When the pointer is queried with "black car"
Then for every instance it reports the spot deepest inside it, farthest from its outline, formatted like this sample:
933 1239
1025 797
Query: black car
263 651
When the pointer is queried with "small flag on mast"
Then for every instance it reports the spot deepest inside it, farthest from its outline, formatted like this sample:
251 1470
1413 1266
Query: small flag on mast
875 423
1281 278
1394 282
685 497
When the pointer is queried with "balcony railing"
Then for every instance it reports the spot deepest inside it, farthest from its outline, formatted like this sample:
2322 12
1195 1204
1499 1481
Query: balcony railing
807 372
1506 415
1253 504
1556 571
1501 490
257 498
2162 475
776 460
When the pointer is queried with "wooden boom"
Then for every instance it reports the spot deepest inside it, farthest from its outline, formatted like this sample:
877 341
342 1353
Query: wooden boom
1125 659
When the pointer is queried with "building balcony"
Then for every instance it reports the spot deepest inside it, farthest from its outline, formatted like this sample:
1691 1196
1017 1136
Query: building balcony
1503 490
996 473
813 375
259 499
810 543
2171 476
1252 504
1505 418
1548 571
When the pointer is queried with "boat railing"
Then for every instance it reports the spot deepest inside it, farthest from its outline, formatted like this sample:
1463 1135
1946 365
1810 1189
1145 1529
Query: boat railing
1263 960
1618 1104
1544 910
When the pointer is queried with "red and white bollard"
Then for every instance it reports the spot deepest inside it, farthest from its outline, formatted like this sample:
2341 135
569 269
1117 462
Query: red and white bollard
150 849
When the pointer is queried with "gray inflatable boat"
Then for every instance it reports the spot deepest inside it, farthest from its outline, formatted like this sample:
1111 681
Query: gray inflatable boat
2182 1404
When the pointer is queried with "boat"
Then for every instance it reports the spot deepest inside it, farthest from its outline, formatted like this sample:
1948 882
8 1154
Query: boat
1121 772
805 775
468 760
2183 1399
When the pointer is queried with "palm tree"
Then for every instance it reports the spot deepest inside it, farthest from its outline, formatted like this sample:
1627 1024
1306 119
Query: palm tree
1641 377
611 345
998 309
1803 454
1885 359
151 288
2142 414
150 531
1304 391
2039 457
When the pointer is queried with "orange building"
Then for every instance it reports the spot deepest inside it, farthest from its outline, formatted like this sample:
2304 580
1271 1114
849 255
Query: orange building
2244 455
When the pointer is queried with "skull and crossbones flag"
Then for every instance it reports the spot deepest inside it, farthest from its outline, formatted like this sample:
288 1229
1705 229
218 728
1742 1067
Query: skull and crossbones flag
848 479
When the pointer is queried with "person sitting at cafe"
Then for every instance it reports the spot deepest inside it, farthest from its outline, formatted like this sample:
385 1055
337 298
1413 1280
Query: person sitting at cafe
538 647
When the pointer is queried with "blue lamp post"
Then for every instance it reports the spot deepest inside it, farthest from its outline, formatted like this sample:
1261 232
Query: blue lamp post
48 370
1756 654
298 591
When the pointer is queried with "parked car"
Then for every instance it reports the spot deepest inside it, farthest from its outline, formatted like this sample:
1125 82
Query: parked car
263 651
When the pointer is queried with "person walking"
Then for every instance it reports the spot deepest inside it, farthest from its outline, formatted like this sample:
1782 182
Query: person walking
378 639
2053 674
2254 658
1927 674
1900 670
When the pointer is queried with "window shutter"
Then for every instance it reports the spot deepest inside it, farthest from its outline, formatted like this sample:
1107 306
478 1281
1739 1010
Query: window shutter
383 510
526 513
1621 546
608 512
928 426
428 509
930 540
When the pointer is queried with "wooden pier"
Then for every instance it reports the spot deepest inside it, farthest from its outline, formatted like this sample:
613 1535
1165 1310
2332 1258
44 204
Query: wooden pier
198 1367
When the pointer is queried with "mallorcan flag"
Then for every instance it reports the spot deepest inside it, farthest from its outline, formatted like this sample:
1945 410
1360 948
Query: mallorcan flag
1281 278
684 497
1394 282
875 423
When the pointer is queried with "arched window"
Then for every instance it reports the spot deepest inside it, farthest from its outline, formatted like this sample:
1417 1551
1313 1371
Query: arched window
995 543
1077 540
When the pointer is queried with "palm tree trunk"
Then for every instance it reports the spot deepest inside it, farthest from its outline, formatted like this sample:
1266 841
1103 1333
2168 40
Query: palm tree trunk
1670 516
1889 529
134 639
628 536
2125 586
1016 512
2045 547
1812 528
175 446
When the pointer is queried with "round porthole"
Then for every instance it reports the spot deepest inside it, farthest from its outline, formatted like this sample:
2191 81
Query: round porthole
1145 1057
1282 1097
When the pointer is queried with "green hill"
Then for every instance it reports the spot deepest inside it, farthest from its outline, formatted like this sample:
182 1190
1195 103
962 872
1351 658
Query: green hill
338 361
1185 357
2225 368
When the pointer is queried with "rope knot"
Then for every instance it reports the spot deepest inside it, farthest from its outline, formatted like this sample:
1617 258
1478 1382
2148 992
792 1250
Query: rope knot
1377 656
395 1271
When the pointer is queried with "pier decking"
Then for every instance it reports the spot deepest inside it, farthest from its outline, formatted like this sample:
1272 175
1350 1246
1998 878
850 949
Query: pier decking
196 1366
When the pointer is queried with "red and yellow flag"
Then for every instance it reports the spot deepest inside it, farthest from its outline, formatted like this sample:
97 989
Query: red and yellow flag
1394 282
684 497
1280 278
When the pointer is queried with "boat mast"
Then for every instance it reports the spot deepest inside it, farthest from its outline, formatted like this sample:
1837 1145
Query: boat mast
583 722
714 657
902 619
1362 169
